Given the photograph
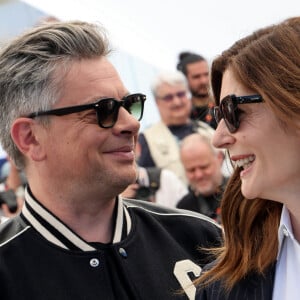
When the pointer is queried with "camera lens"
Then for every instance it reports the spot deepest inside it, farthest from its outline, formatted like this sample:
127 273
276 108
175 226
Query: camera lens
143 193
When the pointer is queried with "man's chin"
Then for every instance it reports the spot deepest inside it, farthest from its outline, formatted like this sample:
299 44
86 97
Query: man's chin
203 191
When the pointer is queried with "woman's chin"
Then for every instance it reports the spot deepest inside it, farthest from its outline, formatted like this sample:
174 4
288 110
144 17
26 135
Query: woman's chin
249 192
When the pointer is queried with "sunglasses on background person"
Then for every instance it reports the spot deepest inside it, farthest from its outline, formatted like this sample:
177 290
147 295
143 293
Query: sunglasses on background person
170 97
228 110
107 109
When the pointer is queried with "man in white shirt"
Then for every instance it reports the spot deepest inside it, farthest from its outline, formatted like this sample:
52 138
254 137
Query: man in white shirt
157 185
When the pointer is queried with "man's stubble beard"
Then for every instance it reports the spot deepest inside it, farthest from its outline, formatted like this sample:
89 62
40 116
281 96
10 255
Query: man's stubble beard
196 94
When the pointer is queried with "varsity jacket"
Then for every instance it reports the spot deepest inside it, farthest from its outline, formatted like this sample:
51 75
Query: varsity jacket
154 254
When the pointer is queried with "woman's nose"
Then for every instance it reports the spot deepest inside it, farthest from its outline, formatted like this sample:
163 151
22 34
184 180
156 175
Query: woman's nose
222 138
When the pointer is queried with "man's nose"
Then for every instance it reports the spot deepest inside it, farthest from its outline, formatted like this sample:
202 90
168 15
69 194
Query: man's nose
199 173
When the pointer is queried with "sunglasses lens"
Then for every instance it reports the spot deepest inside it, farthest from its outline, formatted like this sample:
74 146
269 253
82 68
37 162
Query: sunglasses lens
229 113
134 104
217 114
107 113
107 109
181 94
168 97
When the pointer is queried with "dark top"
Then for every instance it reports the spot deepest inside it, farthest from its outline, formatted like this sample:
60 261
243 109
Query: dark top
204 113
153 249
206 205
253 287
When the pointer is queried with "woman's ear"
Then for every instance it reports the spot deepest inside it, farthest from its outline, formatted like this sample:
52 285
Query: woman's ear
24 132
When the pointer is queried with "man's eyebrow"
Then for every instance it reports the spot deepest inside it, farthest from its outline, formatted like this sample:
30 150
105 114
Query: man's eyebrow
98 98
126 94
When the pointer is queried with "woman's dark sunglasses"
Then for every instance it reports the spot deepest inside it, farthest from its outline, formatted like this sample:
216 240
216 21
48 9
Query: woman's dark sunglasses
106 109
228 109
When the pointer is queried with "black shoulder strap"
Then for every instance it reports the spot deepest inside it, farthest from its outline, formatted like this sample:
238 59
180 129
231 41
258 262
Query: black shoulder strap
154 178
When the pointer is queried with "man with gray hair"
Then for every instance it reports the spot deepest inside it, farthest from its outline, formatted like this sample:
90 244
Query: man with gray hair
159 144
70 123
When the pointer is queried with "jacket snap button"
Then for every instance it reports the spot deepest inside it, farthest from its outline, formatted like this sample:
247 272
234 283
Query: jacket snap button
94 262
123 252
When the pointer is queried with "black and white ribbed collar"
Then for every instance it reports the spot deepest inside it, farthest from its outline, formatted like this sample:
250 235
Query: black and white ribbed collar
58 233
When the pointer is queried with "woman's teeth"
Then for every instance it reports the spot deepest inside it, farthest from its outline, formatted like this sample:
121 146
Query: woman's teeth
245 162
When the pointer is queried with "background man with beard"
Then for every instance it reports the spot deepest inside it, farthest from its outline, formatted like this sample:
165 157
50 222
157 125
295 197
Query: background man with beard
158 145
196 70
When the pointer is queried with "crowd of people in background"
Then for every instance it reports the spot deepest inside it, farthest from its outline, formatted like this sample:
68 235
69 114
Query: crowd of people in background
158 145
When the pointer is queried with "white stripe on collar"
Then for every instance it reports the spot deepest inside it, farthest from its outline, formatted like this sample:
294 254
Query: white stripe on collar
64 230
119 222
41 229
58 225
128 219
122 208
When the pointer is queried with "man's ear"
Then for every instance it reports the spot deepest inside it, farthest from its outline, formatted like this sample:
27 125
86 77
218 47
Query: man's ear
24 132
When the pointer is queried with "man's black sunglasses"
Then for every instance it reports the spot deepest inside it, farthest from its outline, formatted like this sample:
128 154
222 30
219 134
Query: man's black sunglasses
106 109
228 109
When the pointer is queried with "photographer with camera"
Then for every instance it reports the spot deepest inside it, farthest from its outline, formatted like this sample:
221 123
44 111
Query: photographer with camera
11 193
157 185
